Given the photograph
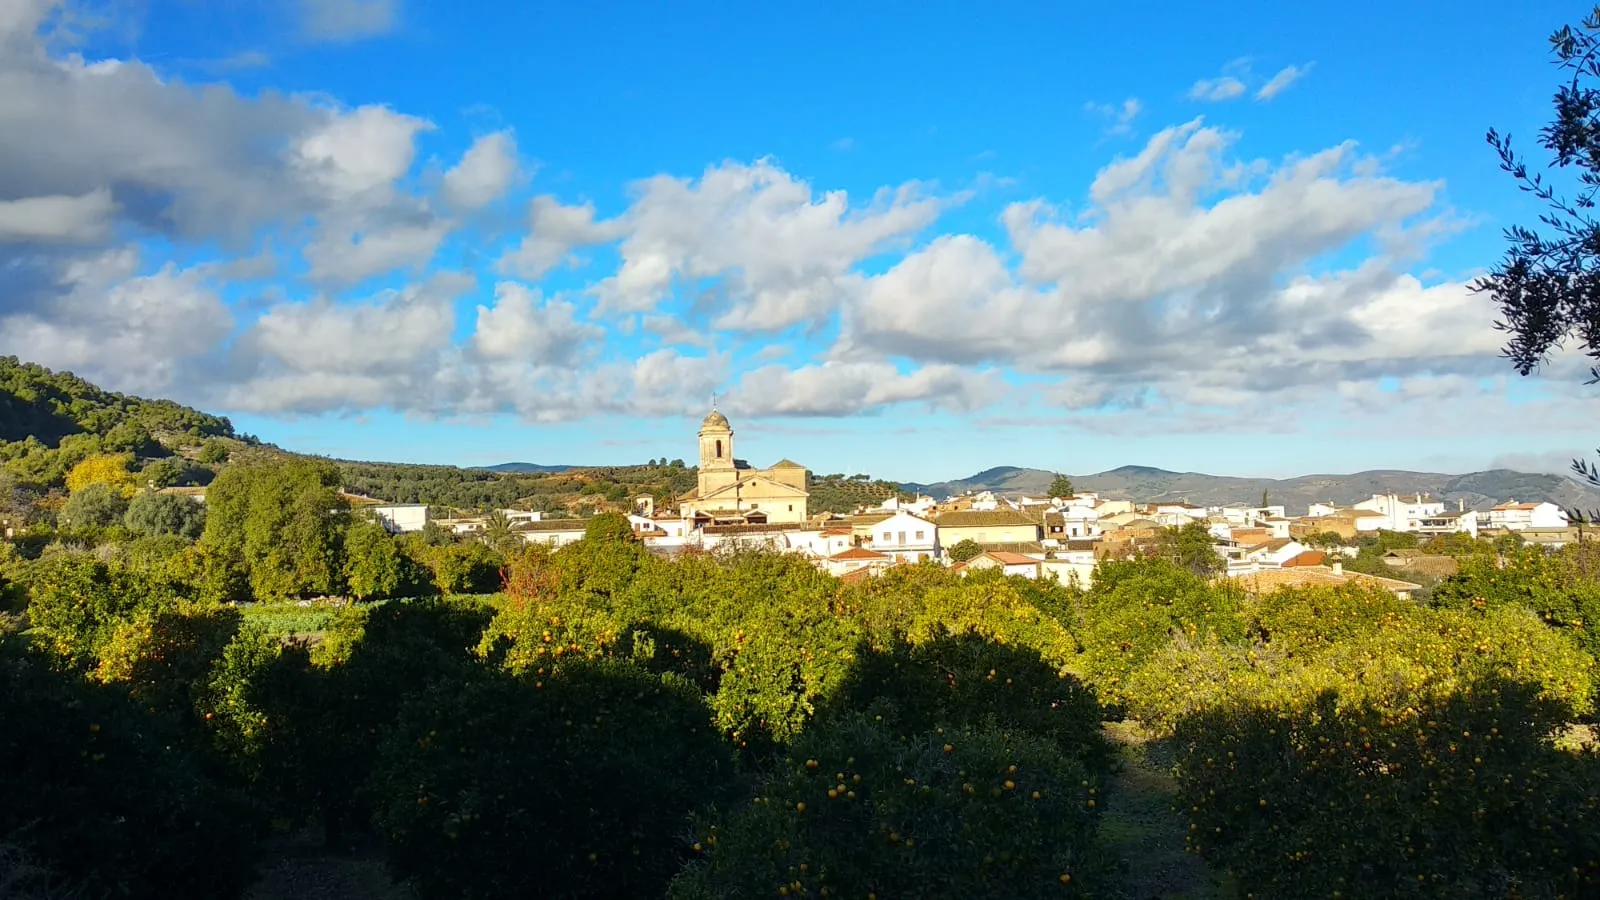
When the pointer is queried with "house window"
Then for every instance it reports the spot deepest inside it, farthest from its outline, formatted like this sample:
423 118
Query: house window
719 449
755 506
902 538
791 507
919 537
885 537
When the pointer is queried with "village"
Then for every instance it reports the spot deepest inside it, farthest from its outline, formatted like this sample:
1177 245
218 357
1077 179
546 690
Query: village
737 507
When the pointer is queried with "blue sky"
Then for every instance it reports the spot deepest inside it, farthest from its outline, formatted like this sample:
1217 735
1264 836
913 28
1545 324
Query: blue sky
915 241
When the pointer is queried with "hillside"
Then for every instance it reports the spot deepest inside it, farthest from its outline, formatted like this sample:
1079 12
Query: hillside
51 421
1477 490
48 406
522 468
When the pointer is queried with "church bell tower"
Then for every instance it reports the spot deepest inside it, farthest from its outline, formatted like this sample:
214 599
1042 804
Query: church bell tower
716 453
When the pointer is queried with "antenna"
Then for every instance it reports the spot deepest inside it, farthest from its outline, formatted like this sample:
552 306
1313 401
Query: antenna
713 400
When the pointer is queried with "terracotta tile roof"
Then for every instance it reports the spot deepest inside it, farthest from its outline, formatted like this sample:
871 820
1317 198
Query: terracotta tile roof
858 554
1524 506
1010 559
1269 580
1308 558
856 576
979 518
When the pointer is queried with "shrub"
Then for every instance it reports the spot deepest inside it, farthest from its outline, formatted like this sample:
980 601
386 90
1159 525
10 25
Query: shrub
105 798
595 769
856 811
152 514
96 505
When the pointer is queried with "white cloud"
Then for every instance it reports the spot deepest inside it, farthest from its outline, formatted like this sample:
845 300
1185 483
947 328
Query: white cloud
1190 274
485 172
522 325
554 232
1119 117
85 219
359 152
1215 90
1280 82
846 388
345 258
348 20
107 323
785 255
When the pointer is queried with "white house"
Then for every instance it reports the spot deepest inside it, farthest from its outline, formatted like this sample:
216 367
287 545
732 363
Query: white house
1007 563
906 537
856 559
1402 513
1516 516
400 517
551 532
1188 510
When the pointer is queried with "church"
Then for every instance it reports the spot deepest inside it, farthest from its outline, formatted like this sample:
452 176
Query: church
731 493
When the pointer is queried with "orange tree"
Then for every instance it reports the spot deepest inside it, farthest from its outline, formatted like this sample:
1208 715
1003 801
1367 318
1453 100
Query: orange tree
105 797
858 811
577 784
1369 747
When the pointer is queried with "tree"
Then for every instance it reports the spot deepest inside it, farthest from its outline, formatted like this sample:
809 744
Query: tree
108 469
1264 498
965 549
154 513
497 532
609 528
1547 285
97 505
372 561
280 522
1061 486
1191 546
213 452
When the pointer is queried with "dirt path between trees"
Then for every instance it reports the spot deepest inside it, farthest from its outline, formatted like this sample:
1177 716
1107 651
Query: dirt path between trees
1142 829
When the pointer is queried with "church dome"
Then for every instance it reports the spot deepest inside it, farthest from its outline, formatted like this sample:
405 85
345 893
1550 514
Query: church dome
716 420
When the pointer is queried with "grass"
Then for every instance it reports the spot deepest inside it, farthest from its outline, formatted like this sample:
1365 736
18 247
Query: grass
1141 828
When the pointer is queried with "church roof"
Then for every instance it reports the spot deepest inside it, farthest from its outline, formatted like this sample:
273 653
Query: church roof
787 464
715 420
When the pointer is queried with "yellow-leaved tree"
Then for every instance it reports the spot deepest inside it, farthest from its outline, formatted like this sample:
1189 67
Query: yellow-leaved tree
112 469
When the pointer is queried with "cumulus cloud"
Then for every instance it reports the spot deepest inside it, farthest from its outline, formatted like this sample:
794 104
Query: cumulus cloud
85 219
485 172
785 255
845 388
523 325
554 232
1280 82
1188 274
108 323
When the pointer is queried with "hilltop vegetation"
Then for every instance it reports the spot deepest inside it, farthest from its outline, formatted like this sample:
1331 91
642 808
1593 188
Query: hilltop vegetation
51 422
841 494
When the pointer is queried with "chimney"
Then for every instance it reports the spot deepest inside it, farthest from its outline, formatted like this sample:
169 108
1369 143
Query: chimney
1461 504
1338 568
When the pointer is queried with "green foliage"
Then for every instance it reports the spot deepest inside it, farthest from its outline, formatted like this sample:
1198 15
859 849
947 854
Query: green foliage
859 811
466 568
213 452
1562 588
1368 745
374 566
1136 607
278 522
838 494
481 489
97 505
152 514
1061 486
598 767
49 406
105 798
1193 547
965 549
76 602
608 528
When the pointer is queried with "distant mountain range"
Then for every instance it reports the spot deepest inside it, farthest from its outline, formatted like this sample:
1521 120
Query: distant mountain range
1477 490
518 468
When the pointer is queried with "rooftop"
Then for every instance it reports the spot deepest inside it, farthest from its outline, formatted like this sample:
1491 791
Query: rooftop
973 518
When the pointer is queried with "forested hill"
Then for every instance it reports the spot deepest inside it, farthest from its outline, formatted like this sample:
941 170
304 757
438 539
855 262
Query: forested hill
52 421
49 406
